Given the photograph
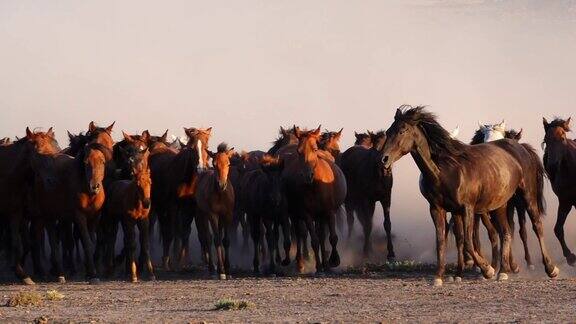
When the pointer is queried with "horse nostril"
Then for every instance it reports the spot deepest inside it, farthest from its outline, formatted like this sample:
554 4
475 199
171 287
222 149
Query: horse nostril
385 159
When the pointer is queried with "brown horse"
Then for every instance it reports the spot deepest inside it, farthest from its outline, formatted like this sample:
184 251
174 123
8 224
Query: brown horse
215 199
264 204
76 196
175 176
363 139
315 188
16 169
467 180
560 164
128 201
368 182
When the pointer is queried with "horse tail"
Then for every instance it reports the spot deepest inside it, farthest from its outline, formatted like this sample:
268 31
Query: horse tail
540 174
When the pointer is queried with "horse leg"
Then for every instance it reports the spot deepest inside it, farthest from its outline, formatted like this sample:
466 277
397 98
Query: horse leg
245 232
167 229
468 218
493 236
300 229
37 231
551 270
477 242
276 237
365 216
501 215
438 215
340 219
88 248
521 210
226 245
314 240
349 218
510 215
271 240
205 239
109 263
255 229
334 256
285 223
130 247
563 211
185 239
388 228
459 236
55 252
321 234
217 233
145 257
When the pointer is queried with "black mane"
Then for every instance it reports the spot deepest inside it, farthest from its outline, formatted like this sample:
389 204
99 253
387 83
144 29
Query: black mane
222 148
558 122
440 142
478 137
280 141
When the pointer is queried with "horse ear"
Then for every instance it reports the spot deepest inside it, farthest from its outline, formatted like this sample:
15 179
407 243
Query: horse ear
211 154
91 126
208 130
339 134
230 151
398 113
164 136
296 131
545 122
50 132
481 126
127 137
502 124
317 131
29 133
109 128
567 123
145 136
70 136
519 135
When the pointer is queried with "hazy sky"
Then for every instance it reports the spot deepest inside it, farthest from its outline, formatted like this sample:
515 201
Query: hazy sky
246 67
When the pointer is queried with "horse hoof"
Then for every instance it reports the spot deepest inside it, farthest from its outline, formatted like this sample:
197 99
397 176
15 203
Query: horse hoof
469 264
28 281
554 272
490 272
437 282
134 279
449 279
61 279
94 281
300 267
334 260
457 279
531 267
571 259
502 276
222 276
515 268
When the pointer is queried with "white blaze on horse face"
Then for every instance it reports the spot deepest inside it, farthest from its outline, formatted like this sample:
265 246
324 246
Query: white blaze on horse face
201 162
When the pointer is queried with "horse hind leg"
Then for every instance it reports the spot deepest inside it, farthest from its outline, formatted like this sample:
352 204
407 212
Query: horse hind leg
366 216
510 215
493 237
533 212
349 219
563 211
388 228
501 215
468 218
334 256
145 257
521 210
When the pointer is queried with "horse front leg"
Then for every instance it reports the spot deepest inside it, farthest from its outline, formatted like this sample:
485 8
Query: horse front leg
521 210
388 228
334 256
494 239
459 236
285 223
88 248
563 211
438 215
468 221
501 215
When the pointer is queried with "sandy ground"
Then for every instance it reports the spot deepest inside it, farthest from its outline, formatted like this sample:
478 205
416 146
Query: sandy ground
349 297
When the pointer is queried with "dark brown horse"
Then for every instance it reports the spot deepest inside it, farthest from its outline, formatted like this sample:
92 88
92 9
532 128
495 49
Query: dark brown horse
315 188
215 199
363 139
175 176
264 204
560 164
128 201
16 170
368 182
467 180
77 196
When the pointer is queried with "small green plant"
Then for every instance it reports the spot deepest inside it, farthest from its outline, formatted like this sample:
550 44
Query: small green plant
54 295
231 304
25 298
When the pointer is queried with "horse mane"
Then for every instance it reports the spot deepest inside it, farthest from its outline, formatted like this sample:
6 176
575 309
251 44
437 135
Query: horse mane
512 133
478 137
94 146
440 142
360 137
222 148
278 142
558 122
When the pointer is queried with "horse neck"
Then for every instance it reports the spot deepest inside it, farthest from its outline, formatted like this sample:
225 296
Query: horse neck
423 158
561 150
185 165
14 159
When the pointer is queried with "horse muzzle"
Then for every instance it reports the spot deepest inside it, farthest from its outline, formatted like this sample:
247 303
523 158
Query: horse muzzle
95 188
223 185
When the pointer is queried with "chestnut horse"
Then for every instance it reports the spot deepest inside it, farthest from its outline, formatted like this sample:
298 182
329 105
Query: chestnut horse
16 169
315 188
467 180
560 164
368 182
175 176
215 199
128 201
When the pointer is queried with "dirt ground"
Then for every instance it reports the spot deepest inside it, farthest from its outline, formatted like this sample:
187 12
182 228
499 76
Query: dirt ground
351 296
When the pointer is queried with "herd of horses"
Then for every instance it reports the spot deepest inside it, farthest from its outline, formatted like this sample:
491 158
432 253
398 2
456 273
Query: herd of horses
78 197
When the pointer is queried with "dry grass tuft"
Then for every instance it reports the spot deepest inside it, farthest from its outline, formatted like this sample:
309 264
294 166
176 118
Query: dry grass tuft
230 304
